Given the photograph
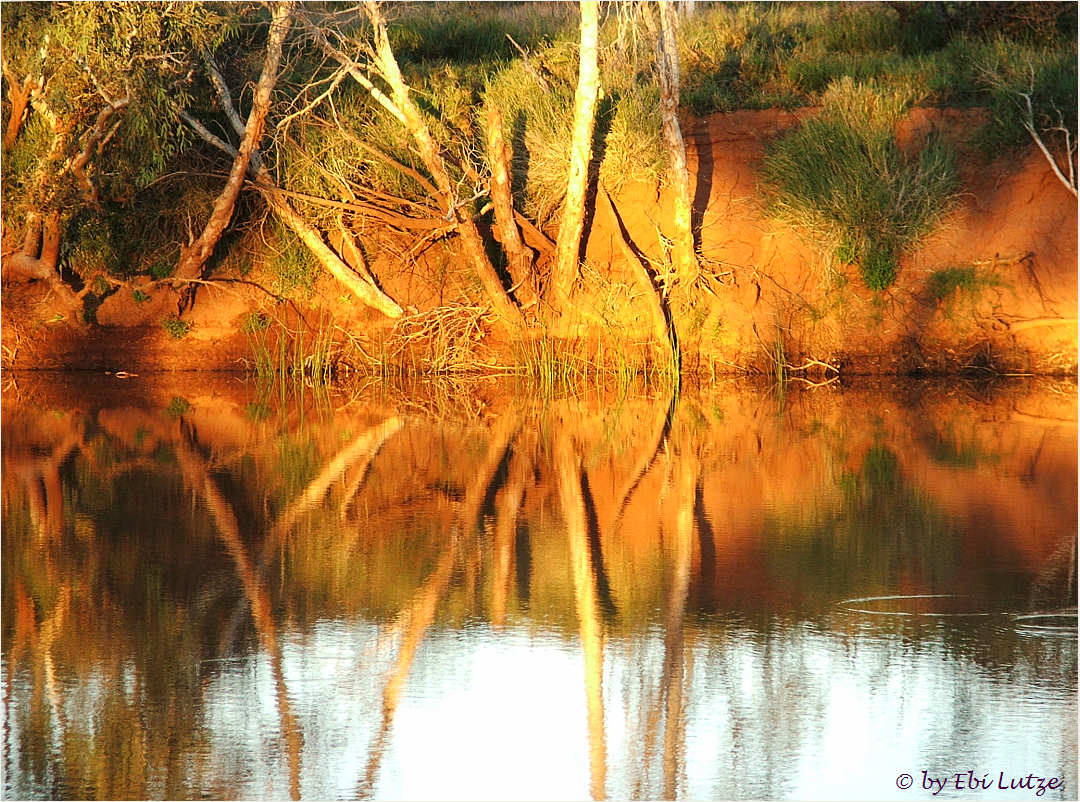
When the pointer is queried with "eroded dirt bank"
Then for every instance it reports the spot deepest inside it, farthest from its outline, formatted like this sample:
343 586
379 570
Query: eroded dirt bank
995 289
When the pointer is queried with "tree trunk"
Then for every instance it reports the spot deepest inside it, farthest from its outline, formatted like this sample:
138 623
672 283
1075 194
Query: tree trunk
365 291
667 58
568 244
503 201
387 65
19 97
194 256
38 257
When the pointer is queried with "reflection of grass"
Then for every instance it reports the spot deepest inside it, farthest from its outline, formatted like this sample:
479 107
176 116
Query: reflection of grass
948 448
298 463
880 531
257 411
177 407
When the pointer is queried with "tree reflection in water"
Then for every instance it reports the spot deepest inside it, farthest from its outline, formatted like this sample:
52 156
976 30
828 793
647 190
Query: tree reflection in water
174 572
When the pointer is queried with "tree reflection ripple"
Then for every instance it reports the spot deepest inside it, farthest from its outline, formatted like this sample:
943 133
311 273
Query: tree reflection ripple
731 594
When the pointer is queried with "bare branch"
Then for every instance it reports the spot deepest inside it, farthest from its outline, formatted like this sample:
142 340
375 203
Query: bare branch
1029 126
95 140
352 68
337 78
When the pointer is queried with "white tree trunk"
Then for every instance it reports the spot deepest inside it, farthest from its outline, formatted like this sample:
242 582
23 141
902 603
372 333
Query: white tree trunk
667 56
568 244
194 256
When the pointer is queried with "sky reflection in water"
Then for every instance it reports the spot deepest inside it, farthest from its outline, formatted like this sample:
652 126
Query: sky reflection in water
741 595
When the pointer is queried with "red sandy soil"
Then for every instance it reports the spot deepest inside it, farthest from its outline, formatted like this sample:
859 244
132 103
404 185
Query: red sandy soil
1016 226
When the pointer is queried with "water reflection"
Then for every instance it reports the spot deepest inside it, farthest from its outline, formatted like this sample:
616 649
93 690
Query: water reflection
727 595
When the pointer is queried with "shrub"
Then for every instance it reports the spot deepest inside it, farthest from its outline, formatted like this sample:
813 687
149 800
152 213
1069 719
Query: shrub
842 179
176 327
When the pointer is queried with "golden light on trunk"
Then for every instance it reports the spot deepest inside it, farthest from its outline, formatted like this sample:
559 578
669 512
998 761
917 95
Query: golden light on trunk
568 244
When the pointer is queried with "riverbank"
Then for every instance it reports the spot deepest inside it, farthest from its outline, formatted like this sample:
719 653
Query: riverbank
994 291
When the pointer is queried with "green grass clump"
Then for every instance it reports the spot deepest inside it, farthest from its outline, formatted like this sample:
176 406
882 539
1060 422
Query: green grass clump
943 283
176 327
1004 69
842 179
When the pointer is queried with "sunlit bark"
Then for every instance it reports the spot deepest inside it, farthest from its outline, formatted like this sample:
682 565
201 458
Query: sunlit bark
667 58
568 244
19 97
365 291
104 127
457 208
363 288
38 257
502 199
195 254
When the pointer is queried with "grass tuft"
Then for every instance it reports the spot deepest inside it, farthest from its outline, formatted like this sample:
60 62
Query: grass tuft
175 327
842 179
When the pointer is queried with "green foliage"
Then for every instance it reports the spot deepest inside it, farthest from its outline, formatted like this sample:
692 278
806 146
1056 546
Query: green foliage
1006 70
256 322
112 78
293 267
177 407
176 327
942 283
733 55
753 55
842 179
95 53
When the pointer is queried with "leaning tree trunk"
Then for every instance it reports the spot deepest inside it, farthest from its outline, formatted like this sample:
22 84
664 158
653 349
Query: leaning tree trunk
414 121
568 243
365 290
194 256
667 58
19 94
363 287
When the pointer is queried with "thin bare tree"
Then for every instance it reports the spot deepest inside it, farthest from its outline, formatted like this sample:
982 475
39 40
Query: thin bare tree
194 255
667 63
568 243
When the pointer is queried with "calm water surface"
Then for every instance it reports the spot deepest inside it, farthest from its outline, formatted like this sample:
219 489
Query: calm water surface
449 594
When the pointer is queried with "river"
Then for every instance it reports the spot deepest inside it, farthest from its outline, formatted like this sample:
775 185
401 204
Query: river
212 589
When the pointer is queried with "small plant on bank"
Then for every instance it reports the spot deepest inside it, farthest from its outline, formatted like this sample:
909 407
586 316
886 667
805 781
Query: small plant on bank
176 327
842 179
